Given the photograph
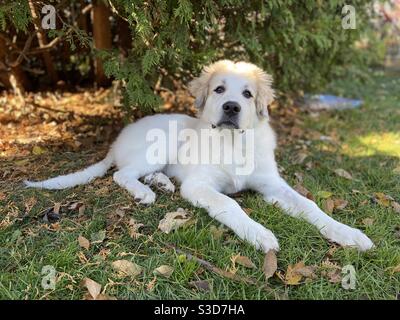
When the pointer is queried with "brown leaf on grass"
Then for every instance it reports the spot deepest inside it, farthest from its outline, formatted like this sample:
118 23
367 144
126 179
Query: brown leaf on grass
126 268
164 270
344 174
396 170
243 261
82 258
92 286
134 227
331 271
395 269
396 206
200 285
77 206
83 242
173 220
56 208
329 205
295 273
334 276
382 199
270 264
307 271
368 221
303 191
340 204
332 204
292 278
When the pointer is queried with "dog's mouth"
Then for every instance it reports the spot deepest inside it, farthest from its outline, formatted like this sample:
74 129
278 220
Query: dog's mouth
227 124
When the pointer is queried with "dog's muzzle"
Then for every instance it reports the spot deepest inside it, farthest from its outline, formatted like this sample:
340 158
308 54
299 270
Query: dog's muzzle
230 117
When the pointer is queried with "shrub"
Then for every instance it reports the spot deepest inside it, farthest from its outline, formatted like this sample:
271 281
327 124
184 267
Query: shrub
301 43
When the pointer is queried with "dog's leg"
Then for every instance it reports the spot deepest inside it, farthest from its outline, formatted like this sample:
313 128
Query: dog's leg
128 179
276 190
228 212
160 180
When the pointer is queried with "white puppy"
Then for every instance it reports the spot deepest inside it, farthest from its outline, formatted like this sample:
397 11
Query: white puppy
231 97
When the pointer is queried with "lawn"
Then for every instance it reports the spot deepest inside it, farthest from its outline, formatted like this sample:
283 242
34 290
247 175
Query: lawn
365 142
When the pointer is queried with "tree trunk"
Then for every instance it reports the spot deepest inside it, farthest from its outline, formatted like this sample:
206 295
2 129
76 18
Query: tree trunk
42 40
12 78
124 36
102 37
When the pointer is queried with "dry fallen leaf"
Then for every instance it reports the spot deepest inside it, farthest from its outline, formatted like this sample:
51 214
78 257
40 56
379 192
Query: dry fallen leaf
293 278
126 268
303 191
57 207
164 270
368 221
382 199
134 227
396 206
344 174
395 269
83 242
334 276
329 205
243 261
151 285
307 271
270 264
92 286
173 220
340 204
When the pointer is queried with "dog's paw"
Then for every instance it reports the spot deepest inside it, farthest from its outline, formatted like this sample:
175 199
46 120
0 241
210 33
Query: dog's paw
143 194
160 180
262 238
347 236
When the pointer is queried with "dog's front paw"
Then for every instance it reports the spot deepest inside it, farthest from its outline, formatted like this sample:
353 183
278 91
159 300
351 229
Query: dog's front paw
262 238
160 180
347 236
143 194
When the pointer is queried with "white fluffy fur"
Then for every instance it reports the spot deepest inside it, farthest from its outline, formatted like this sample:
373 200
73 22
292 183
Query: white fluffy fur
204 185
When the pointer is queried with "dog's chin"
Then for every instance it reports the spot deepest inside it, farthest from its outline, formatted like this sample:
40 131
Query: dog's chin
226 124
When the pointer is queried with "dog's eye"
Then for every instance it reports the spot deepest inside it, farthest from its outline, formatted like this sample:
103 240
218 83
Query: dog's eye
247 94
219 89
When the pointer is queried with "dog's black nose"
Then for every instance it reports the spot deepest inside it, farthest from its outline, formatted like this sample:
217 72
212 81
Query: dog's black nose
231 108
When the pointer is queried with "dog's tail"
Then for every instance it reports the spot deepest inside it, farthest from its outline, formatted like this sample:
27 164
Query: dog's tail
73 179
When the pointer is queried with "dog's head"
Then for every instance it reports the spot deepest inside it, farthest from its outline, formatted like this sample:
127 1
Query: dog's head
232 95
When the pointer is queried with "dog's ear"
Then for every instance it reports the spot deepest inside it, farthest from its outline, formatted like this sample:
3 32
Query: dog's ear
265 93
198 87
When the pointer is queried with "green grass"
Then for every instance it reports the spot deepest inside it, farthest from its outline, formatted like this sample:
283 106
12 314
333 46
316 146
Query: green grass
368 147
